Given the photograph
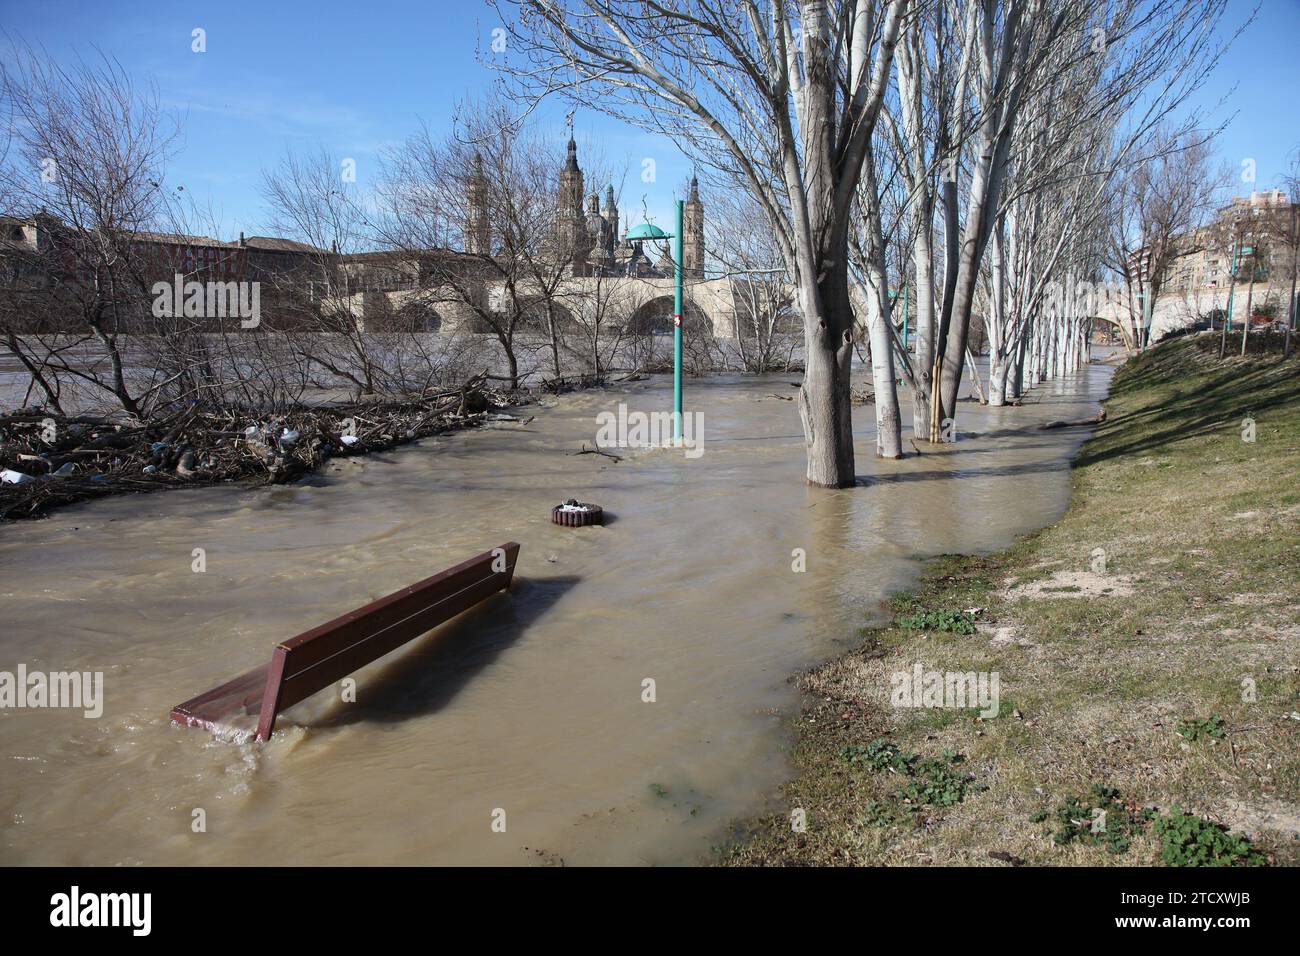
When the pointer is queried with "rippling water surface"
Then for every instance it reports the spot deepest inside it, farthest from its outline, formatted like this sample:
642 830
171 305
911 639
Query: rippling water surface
532 703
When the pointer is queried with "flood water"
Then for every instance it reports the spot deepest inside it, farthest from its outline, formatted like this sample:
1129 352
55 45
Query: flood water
531 703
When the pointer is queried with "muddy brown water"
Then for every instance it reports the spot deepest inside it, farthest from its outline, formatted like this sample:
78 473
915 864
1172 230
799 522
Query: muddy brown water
532 703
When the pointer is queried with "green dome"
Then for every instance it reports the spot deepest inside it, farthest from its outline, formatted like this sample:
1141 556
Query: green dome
646 231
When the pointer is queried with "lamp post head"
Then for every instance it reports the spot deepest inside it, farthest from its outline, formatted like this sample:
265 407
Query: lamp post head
646 231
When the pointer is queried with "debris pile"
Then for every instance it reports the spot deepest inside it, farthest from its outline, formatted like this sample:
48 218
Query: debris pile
862 395
48 460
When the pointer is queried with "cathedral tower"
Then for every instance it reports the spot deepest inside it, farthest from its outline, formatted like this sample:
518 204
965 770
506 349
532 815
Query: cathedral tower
570 225
602 248
478 232
693 234
611 217
571 184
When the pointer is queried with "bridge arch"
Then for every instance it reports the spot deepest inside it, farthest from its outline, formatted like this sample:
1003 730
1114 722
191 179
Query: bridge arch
654 317
536 313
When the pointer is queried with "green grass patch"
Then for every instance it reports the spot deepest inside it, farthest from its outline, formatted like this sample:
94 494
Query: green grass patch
1196 728
1189 840
936 784
931 781
1098 819
879 754
956 622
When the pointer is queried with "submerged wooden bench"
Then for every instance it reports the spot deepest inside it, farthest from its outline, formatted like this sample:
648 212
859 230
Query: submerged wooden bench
315 659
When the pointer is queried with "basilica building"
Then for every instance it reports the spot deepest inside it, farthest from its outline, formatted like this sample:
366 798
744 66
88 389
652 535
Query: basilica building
587 235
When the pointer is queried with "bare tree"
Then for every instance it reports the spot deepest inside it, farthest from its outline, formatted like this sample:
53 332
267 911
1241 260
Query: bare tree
966 88
85 176
1292 227
478 210
1158 204
602 313
763 296
314 199
779 98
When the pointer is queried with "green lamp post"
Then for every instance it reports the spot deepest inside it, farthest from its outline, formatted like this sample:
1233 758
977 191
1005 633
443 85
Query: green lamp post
1146 319
646 231
1238 250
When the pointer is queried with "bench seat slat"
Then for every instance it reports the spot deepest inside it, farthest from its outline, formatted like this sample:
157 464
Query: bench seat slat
311 661
212 709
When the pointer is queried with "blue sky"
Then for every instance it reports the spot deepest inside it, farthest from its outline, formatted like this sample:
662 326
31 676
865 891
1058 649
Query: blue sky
288 75
1257 84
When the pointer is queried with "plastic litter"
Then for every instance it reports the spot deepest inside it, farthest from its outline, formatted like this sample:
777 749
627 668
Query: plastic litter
10 477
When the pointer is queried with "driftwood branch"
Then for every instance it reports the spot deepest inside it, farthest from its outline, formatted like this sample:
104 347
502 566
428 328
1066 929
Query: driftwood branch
1095 420
595 451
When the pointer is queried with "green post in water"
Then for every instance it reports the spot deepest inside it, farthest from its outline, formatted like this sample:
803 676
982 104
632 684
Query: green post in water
906 302
1232 282
646 232
677 325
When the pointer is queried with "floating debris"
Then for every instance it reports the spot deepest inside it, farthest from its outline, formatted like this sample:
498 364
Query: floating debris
93 457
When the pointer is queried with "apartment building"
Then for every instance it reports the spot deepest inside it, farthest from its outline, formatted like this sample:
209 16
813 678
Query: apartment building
1263 223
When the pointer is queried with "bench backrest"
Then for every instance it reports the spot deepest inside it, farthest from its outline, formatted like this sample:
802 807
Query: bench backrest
315 659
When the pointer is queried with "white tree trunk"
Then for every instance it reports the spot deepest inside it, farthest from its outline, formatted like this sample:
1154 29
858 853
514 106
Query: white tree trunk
889 426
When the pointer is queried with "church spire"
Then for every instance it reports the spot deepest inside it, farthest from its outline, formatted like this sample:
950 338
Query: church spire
611 217
571 231
571 160
693 232
478 231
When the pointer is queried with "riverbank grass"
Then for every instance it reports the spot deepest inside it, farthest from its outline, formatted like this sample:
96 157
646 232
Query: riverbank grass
1146 647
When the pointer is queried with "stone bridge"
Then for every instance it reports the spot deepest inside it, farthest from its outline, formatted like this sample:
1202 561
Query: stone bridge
1181 308
644 304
